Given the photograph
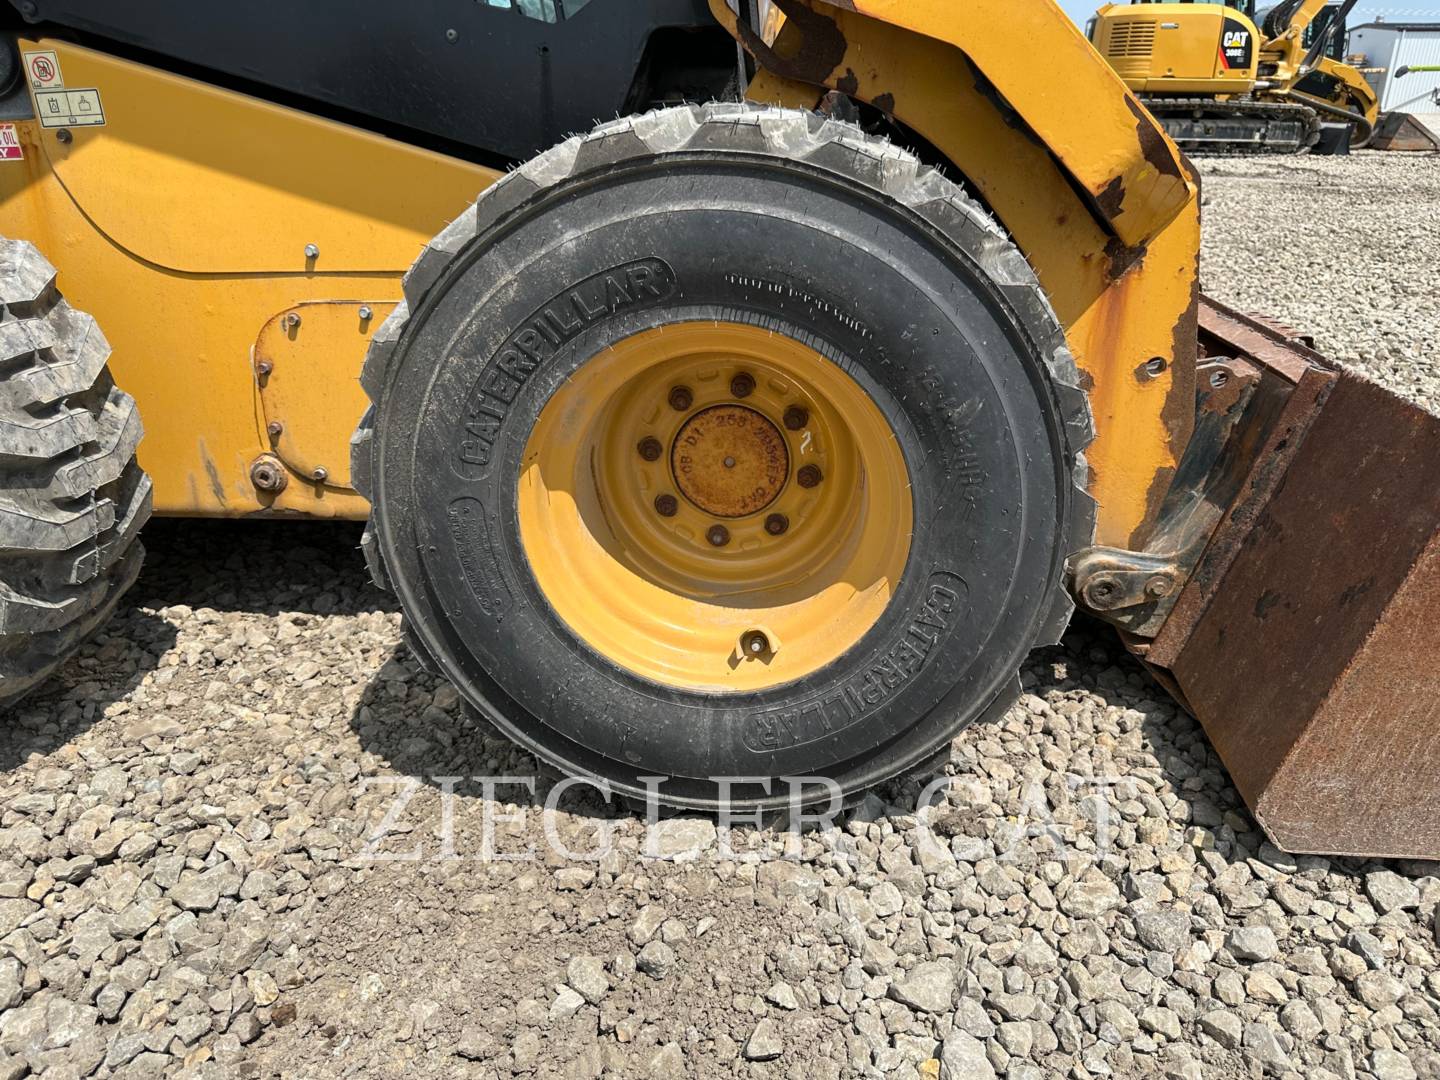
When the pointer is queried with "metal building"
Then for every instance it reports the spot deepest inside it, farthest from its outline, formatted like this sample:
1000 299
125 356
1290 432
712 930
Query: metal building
1389 46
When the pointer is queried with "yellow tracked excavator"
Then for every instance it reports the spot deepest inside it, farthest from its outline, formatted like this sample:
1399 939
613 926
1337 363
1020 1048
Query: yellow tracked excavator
737 450
1221 78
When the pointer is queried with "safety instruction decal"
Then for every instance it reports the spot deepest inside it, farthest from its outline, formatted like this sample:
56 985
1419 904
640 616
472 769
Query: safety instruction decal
43 69
56 105
69 108
10 148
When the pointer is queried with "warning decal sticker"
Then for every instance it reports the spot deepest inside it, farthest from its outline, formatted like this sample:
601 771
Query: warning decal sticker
10 148
69 108
43 70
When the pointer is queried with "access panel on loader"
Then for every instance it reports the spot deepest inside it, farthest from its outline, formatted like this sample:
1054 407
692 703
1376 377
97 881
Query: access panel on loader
730 443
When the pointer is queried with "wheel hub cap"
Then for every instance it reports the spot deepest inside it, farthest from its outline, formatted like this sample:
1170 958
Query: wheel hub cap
730 461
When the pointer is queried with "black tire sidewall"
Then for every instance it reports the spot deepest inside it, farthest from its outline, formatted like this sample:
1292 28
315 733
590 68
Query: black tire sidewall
951 364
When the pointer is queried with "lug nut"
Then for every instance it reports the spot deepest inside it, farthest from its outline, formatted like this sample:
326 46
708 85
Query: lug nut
718 535
743 384
809 476
796 417
681 398
650 448
776 524
666 505
755 643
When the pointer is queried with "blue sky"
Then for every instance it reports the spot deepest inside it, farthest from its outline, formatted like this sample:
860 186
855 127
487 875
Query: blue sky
1365 11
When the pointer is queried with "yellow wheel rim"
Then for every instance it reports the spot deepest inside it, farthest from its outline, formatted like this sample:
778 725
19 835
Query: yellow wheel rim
715 507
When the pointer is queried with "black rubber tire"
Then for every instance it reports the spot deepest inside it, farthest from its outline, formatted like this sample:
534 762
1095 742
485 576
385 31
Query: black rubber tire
72 496
888 269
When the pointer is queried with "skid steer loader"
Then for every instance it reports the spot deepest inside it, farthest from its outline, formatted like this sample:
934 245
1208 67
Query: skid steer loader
755 435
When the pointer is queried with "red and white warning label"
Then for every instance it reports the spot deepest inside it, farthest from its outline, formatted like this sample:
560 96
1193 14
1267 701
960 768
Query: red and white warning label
10 148
43 69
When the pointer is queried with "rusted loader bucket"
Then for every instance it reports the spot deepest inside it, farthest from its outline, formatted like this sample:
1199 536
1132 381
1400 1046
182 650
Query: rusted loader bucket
1305 638
1401 131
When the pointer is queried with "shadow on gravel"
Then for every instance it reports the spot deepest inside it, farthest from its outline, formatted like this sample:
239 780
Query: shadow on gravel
262 566
397 721
106 670
258 566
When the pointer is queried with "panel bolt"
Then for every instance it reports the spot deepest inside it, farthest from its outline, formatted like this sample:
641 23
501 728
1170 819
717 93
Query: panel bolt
320 475
718 535
312 251
267 474
1156 365
755 643
650 448
275 427
666 505
681 398
1102 591
365 313
1159 587
63 135
742 385
292 321
452 36
263 368
796 418
809 476
776 524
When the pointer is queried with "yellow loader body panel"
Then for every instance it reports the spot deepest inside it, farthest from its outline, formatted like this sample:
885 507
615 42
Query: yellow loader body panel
183 225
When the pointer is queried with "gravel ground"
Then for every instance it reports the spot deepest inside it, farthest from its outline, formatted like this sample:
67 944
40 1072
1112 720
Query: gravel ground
188 882
1344 248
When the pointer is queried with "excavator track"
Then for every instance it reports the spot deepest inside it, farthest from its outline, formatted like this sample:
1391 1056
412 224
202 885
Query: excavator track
1207 126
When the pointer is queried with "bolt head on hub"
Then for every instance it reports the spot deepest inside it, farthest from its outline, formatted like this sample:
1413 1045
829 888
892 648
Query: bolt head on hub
809 476
718 535
666 505
681 398
650 448
777 524
742 385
